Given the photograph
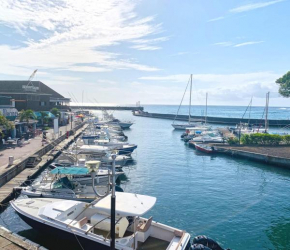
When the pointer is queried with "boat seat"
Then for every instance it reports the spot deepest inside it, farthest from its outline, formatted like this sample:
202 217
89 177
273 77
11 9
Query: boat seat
82 222
144 226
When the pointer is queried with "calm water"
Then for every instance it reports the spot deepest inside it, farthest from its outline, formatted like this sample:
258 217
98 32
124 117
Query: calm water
241 204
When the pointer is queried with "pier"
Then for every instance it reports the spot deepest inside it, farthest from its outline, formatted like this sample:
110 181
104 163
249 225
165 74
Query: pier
274 155
130 108
214 120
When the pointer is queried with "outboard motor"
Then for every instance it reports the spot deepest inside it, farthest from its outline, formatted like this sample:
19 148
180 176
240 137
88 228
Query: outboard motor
199 247
208 242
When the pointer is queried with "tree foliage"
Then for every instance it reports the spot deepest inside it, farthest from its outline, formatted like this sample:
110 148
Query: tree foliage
43 116
4 122
25 115
55 112
284 84
265 139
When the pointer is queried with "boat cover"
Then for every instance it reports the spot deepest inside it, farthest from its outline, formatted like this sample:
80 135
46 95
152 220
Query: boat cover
127 204
70 171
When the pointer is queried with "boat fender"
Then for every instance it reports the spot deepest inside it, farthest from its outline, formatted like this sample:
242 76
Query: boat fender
202 239
199 247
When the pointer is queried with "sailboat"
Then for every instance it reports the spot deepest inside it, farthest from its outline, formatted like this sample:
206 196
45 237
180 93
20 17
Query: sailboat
189 124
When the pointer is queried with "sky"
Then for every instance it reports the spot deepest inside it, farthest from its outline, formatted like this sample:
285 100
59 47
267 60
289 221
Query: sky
124 51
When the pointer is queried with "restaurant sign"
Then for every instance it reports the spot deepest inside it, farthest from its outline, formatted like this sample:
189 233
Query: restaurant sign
30 88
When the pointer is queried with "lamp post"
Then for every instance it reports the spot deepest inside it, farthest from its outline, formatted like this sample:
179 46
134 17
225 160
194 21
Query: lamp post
113 204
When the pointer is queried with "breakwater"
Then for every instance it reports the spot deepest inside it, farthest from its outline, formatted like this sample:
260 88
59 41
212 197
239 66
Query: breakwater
130 108
214 120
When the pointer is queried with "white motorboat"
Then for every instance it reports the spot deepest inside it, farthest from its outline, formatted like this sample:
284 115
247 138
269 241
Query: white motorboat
89 224
207 139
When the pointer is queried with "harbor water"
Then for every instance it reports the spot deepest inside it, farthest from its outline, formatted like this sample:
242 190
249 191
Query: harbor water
240 203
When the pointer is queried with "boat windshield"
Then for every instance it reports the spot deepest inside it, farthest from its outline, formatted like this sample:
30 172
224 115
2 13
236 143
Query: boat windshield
63 182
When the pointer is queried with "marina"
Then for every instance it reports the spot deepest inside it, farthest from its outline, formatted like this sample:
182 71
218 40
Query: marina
141 168
144 125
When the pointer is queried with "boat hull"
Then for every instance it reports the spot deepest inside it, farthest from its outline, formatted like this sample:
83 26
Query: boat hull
62 235
204 150
182 126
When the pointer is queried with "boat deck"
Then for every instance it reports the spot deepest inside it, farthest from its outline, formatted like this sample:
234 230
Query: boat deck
153 243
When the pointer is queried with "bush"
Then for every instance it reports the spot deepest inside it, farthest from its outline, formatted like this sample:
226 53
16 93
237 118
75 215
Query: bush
46 128
286 139
246 139
263 139
233 141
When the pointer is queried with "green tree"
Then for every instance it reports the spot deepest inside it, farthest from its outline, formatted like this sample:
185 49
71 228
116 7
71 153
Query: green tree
43 116
55 112
4 122
25 115
284 84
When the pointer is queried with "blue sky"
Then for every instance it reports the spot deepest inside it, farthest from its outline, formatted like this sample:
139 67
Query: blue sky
124 51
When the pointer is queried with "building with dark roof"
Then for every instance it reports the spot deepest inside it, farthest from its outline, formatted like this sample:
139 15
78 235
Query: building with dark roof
33 95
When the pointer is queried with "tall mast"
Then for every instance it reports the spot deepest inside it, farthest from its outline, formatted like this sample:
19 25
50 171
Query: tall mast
250 111
267 107
190 99
205 118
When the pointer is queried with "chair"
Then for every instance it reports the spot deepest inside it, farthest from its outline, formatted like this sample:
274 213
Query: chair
145 226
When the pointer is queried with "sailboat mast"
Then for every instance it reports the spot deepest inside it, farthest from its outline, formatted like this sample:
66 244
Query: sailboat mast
190 99
250 111
267 107
205 118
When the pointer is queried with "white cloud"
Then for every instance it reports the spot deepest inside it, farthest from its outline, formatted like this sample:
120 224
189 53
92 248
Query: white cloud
248 43
222 88
145 47
148 44
254 6
74 33
182 53
224 44
231 44
216 19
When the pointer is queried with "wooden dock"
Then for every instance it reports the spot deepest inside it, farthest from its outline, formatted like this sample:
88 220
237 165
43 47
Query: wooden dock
7 190
226 133
12 241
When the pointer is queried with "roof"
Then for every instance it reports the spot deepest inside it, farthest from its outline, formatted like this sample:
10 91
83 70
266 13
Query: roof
49 114
127 204
70 171
10 87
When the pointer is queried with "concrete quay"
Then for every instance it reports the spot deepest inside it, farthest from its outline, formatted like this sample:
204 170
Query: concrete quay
273 155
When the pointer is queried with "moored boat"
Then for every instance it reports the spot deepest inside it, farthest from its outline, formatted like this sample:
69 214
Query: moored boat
204 148
88 225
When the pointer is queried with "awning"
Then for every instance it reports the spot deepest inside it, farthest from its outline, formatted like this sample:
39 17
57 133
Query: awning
70 171
127 204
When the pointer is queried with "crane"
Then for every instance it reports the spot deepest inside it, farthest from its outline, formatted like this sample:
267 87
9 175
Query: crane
31 78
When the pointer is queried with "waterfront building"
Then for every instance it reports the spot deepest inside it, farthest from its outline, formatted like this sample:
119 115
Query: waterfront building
33 95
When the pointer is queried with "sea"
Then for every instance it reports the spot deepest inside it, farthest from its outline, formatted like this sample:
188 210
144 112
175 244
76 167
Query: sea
241 204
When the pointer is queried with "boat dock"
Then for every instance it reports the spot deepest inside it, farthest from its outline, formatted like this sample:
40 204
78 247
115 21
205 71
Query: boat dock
214 120
130 108
12 241
18 173
274 155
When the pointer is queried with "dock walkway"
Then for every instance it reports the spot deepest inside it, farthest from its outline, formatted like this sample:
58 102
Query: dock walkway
6 190
275 155
20 153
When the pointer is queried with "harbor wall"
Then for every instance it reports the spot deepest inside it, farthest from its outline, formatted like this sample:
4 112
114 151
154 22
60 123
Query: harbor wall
214 120
109 108
264 158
